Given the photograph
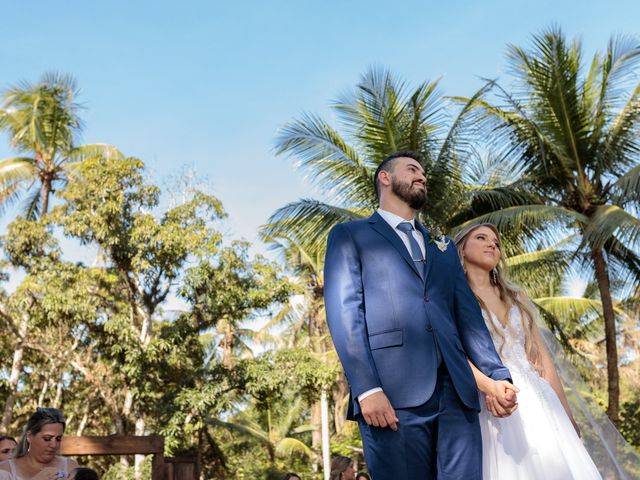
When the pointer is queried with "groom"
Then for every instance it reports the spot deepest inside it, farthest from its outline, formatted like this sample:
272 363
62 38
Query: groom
404 321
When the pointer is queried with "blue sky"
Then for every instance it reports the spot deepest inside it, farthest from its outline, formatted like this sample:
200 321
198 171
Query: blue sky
207 84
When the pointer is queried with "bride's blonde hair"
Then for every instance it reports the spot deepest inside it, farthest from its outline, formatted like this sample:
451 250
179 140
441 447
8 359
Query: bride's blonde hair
510 294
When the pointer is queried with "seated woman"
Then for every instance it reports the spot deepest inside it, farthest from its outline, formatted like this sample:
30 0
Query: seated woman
7 444
36 456
342 468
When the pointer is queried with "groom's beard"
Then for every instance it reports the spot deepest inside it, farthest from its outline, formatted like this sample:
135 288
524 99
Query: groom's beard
414 194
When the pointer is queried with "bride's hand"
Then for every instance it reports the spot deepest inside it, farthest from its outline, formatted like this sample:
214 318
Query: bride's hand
496 409
502 400
505 394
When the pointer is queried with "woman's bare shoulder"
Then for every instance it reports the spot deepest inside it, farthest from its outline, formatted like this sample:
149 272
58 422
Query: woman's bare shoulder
71 463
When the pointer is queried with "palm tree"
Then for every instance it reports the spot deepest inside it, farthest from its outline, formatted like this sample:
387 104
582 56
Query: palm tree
575 132
280 437
382 115
43 124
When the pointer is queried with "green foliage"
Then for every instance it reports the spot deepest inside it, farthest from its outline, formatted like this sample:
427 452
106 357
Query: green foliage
270 374
123 472
630 426
559 177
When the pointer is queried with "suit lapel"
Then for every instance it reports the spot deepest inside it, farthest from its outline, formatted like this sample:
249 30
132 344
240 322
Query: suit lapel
383 228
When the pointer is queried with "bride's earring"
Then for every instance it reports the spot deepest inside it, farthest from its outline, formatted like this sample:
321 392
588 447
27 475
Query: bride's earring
464 269
494 275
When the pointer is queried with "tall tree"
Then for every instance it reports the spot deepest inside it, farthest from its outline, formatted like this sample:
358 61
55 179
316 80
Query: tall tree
43 125
575 130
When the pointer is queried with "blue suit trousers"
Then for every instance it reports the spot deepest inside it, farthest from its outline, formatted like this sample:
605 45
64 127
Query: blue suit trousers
439 439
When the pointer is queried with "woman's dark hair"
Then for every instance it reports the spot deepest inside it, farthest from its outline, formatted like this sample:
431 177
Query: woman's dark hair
4 437
42 417
290 475
364 475
82 473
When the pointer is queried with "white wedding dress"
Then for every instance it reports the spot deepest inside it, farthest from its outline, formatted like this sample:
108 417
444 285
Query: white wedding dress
538 441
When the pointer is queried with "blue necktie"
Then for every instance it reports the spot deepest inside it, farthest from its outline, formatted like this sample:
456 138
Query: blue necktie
414 248
418 259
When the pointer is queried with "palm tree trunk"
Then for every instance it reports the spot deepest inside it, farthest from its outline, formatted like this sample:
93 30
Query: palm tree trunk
613 376
45 192
16 370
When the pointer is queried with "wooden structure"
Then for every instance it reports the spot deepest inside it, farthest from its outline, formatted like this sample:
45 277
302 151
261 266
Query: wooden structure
162 468
181 468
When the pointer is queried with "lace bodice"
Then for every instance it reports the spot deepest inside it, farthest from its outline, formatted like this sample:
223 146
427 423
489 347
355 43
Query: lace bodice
512 351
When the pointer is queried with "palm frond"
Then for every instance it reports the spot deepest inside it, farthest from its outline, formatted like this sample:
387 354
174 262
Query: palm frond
13 173
618 70
621 139
373 110
290 446
93 150
570 308
307 222
456 139
16 170
627 187
244 427
332 164
624 261
33 205
549 73
526 218
305 259
284 426
610 220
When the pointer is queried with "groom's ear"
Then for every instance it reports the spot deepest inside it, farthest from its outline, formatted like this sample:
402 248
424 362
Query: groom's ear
384 177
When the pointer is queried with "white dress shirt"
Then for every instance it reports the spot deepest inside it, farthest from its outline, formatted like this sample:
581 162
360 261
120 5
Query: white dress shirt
394 220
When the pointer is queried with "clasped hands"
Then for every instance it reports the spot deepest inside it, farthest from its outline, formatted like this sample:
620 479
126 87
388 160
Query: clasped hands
377 411
501 398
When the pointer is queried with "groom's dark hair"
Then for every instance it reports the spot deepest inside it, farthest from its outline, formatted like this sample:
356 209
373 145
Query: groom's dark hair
387 165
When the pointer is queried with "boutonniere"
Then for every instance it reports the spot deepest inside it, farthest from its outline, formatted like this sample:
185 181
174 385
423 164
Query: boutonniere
440 240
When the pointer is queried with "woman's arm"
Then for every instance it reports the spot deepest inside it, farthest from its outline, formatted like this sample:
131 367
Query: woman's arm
496 391
550 374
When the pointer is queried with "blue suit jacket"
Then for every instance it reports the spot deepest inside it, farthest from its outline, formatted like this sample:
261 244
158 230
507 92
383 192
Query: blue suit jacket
385 318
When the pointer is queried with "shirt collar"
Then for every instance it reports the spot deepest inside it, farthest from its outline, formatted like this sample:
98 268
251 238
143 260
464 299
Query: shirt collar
394 220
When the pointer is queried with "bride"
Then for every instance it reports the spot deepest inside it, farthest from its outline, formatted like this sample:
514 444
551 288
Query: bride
540 440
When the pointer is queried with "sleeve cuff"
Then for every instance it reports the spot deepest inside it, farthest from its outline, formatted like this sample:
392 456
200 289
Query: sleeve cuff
364 395
501 374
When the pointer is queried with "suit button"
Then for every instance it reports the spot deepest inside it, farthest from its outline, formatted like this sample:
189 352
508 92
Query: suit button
429 328
426 297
